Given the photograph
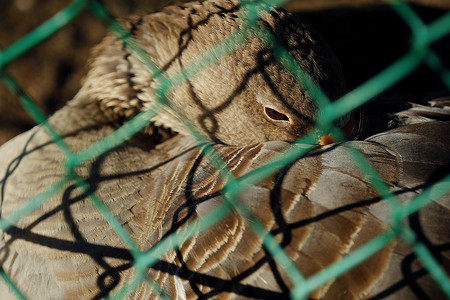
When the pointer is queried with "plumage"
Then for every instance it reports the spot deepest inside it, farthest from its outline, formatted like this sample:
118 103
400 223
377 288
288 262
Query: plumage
319 208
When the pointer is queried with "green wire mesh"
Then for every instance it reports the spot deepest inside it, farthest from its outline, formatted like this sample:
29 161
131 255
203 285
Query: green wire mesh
422 37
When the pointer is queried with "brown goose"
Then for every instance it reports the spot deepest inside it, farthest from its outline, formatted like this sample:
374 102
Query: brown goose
319 208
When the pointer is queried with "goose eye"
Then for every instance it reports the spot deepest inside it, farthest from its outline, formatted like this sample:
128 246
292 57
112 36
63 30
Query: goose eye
275 115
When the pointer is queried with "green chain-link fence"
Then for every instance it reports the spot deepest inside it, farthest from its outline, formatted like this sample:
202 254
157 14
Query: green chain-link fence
422 37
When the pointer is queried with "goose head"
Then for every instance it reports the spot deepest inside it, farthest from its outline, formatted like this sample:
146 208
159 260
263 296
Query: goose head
244 97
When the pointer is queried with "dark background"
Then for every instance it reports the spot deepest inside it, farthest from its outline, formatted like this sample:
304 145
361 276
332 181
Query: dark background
365 37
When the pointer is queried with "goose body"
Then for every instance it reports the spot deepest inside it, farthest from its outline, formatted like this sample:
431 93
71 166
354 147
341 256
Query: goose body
319 208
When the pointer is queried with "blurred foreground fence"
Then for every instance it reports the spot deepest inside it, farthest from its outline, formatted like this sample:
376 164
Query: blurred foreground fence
420 52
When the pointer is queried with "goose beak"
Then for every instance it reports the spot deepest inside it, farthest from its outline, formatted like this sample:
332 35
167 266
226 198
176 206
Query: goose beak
347 124
326 139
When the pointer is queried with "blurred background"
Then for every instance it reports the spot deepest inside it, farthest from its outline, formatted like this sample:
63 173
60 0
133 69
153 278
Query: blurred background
366 35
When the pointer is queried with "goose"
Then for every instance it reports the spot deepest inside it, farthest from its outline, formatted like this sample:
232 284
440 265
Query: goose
160 182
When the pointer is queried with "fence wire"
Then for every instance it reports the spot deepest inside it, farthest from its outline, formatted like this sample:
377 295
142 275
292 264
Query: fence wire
420 52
